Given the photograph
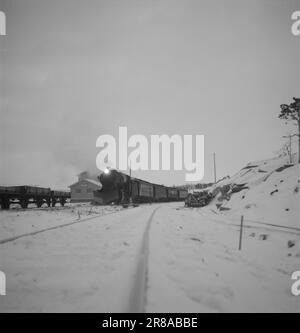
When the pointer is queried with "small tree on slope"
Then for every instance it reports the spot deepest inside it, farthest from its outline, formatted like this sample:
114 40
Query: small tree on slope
292 112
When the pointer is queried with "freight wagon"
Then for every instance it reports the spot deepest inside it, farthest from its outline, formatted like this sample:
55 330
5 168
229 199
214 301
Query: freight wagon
25 195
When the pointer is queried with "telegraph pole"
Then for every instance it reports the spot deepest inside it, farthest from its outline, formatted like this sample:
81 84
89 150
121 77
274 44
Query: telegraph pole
215 172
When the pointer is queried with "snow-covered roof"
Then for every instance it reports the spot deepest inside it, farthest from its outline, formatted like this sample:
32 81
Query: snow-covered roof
92 181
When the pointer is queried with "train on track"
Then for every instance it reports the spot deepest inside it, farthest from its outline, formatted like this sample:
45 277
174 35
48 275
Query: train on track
120 188
25 195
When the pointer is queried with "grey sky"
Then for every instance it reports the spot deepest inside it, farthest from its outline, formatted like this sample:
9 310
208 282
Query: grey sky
73 70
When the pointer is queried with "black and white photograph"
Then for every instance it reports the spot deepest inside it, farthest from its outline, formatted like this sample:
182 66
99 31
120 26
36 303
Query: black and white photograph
149 158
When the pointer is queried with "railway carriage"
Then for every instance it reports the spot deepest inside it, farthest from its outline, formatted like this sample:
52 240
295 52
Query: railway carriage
160 193
182 194
172 194
141 191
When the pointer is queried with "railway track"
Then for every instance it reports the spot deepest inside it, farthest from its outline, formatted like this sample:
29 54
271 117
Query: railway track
137 300
127 278
258 224
138 272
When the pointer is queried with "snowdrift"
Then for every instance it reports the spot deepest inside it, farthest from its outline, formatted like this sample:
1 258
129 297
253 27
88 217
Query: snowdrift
267 191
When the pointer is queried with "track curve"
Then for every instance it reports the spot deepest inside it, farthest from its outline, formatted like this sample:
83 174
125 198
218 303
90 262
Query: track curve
138 293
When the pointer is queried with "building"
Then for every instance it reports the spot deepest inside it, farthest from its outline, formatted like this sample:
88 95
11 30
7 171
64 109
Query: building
82 190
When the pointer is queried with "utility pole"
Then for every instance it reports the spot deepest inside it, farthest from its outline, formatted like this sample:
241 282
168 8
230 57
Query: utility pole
215 172
241 233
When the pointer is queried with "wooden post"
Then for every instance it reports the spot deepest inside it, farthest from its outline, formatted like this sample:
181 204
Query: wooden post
241 233
290 136
215 168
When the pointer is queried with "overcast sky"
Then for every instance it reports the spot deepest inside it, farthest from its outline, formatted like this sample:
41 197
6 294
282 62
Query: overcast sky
73 70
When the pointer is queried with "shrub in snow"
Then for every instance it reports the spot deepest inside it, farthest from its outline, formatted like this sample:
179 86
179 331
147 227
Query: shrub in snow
263 237
248 206
291 244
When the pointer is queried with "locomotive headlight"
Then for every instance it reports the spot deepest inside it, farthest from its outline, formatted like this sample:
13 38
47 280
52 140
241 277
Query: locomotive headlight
106 171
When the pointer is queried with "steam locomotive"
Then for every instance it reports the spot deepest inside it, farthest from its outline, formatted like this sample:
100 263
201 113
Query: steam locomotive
120 188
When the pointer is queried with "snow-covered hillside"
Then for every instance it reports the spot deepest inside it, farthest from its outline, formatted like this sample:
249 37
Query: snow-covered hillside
267 190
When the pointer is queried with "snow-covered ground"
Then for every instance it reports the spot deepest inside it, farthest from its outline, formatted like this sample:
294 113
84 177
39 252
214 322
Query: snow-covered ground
17 221
195 265
86 267
193 262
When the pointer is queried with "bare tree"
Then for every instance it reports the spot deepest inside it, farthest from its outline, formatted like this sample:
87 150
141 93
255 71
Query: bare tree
285 151
292 112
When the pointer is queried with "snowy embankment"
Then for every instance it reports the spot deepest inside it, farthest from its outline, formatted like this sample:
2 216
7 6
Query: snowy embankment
195 265
268 191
